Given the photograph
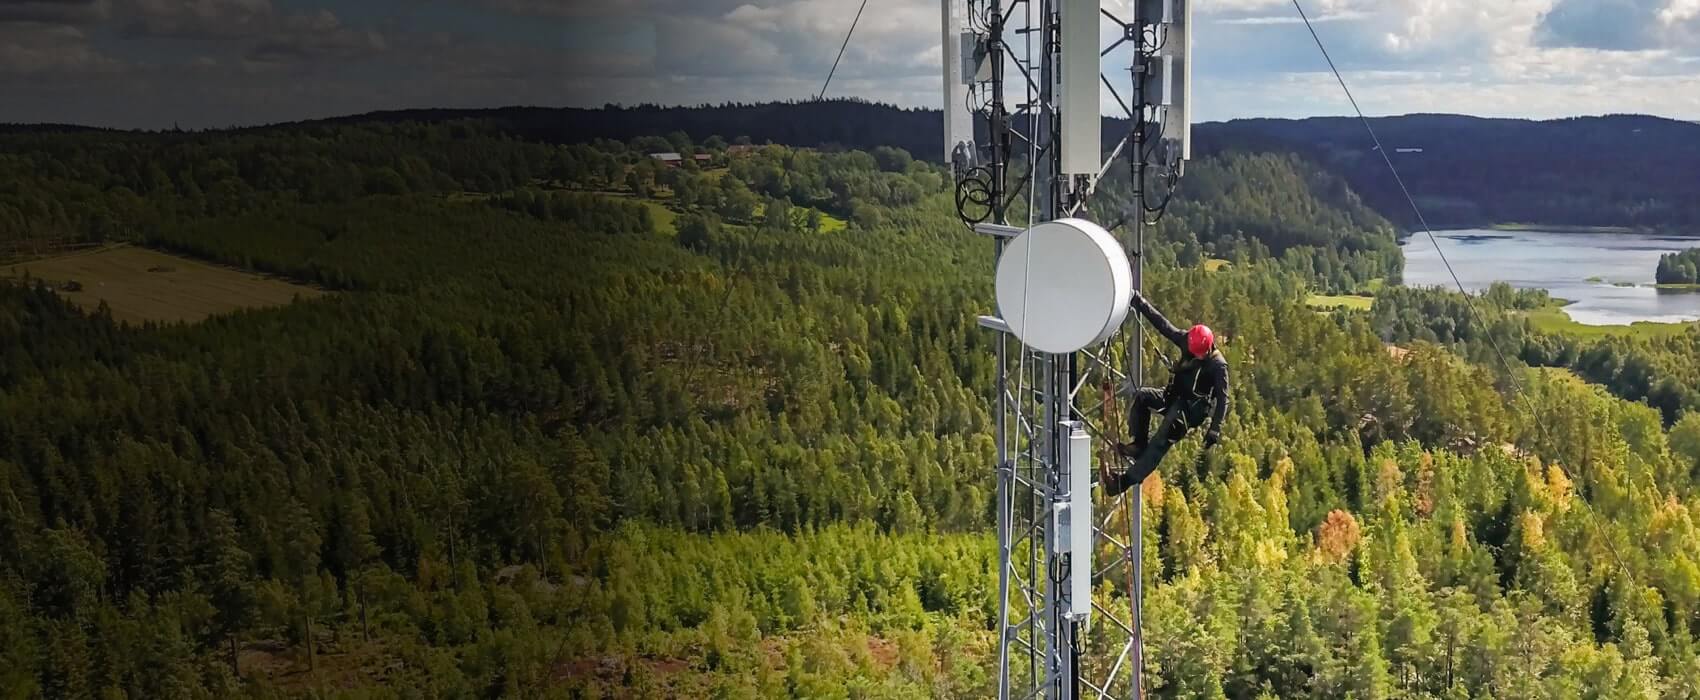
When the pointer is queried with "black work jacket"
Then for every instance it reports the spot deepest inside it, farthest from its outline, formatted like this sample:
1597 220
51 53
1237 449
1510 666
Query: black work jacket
1195 379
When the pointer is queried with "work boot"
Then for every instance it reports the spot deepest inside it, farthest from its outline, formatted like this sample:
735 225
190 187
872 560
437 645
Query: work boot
1132 450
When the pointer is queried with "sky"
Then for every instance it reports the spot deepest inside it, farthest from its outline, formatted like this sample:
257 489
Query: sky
213 63
1518 58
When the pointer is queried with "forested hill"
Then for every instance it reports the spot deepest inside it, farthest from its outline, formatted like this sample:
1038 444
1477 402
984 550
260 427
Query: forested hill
1604 171
1597 171
568 422
849 123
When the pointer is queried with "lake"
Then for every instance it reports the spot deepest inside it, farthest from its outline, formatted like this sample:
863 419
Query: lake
1561 263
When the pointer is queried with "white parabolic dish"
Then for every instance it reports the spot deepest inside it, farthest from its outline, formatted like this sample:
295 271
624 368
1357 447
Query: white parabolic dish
1064 285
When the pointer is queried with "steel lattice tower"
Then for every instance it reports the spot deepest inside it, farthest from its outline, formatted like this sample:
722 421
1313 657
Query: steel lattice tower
1052 408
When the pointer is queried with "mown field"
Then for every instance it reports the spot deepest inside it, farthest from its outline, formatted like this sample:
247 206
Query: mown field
1331 302
142 285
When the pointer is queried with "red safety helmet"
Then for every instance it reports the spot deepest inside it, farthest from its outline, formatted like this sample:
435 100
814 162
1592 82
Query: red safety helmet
1200 340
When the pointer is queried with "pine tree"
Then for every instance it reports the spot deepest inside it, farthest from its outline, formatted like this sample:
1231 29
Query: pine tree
301 562
228 574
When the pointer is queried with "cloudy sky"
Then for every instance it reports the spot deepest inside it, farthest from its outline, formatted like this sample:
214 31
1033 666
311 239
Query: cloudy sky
1536 58
154 63
200 63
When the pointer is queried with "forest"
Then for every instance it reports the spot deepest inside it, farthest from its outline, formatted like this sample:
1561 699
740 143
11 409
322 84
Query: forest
1618 170
1271 209
1615 170
574 423
1660 371
1679 268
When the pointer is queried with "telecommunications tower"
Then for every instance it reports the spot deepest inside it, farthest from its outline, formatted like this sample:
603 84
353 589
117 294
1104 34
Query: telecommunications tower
1063 288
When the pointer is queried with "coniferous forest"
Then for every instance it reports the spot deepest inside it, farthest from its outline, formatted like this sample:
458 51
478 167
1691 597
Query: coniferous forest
573 423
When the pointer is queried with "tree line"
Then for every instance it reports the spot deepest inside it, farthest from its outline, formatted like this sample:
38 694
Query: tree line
1659 371
1679 268
1616 170
527 448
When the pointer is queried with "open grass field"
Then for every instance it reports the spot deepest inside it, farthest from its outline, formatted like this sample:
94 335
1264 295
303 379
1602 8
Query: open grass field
664 218
832 224
1552 319
1216 265
1354 303
142 285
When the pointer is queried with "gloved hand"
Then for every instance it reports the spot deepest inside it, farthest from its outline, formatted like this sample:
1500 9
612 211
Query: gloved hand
1212 438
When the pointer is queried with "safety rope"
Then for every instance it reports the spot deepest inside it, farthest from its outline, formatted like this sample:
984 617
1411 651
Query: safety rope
841 49
1469 301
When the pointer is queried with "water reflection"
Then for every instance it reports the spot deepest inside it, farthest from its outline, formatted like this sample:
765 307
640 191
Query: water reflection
1609 276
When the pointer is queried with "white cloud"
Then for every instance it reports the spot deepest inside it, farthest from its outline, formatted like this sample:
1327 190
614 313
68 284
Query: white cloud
54 11
1679 11
1246 7
1486 50
198 19
1496 57
1504 57
38 50
1623 25
315 36
1295 19
791 44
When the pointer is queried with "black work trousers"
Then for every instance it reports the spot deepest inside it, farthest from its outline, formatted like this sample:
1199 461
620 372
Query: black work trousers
1179 417
1149 400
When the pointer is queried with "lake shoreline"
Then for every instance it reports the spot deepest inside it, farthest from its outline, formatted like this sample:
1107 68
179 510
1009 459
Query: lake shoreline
1554 319
1489 231
1570 228
1558 228
1609 275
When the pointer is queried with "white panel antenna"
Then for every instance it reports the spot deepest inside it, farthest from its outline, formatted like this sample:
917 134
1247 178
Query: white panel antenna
1080 520
1082 125
1160 82
1071 519
975 68
959 151
1156 11
1177 54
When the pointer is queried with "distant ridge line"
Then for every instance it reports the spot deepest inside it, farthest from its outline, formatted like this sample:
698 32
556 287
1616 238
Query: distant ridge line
1470 170
440 114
